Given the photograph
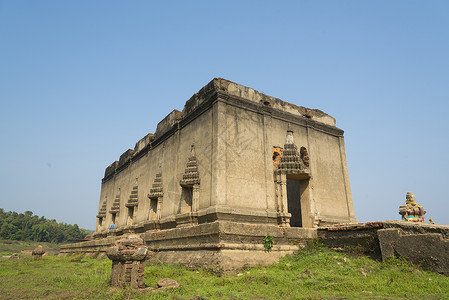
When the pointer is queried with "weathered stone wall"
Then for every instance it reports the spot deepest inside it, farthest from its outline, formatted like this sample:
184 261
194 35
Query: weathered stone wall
170 157
220 246
212 163
233 129
423 244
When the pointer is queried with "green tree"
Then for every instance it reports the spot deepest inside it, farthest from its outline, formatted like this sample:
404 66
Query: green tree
26 226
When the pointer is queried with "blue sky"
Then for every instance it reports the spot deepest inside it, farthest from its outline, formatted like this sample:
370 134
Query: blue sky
83 81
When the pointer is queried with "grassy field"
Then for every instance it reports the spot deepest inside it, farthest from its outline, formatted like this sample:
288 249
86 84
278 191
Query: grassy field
10 247
313 273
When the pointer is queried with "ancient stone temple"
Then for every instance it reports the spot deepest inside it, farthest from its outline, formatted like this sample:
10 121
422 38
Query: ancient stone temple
234 166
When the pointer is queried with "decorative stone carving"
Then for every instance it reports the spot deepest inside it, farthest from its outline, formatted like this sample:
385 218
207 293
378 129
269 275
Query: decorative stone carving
133 198
304 155
291 161
128 256
115 208
189 202
156 195
291 164
276 155
191 176
133 202
102 211
156 190
411 211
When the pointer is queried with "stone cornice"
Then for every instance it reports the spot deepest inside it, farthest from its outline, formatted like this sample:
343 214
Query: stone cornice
277 114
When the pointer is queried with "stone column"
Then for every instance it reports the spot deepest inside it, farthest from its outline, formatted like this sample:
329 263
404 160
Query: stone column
158 208
219 149
128 261
196 198
277 183
284 193
283 201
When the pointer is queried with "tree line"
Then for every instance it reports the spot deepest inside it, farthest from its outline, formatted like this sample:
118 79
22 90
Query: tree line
27 227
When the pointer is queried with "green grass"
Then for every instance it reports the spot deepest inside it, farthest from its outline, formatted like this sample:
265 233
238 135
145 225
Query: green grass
8 247
313 273
53 277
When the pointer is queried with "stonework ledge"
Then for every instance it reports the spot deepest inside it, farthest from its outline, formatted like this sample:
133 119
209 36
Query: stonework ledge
237 244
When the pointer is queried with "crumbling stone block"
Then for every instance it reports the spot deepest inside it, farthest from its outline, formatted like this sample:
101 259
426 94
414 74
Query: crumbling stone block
128 256
38 252
429 250
167 283
14 256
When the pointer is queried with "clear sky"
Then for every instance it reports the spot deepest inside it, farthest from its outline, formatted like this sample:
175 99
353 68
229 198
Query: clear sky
83 81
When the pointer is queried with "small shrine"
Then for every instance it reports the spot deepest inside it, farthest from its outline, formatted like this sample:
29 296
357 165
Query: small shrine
411 211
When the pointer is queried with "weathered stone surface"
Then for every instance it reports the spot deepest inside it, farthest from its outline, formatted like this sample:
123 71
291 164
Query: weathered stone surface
217 160
113 253
125 157
423 244
128 255
144 142
220 246
167 283
14 256
140 254
167 123
428 250
110 170
26 252
250 184
38 252
117 273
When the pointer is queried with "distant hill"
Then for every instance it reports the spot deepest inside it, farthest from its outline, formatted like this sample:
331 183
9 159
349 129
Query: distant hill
27 227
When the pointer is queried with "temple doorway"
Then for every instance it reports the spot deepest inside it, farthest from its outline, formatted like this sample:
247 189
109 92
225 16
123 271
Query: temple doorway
185 204
294 202
130 215
153 209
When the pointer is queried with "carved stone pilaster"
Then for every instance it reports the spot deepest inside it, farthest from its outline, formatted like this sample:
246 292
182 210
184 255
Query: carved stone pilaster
133 199
102 210
191 191
157 193
191 175
293 164
196 198
115 209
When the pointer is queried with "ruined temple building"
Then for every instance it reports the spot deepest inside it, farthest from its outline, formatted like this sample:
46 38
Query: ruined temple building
214 179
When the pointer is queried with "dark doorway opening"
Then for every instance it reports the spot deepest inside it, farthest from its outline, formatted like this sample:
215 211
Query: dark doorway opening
294 202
